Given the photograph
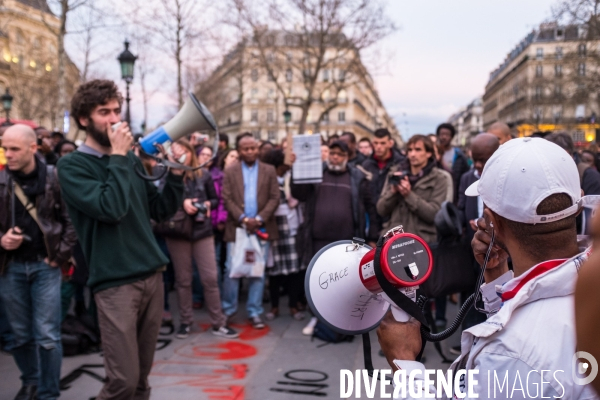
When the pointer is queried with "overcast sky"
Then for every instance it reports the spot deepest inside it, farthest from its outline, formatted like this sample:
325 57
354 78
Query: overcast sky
442 56
444 52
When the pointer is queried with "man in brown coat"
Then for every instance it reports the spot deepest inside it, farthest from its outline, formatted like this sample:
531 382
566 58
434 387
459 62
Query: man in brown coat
251 196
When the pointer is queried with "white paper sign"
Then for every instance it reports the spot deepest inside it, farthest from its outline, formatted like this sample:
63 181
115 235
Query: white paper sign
308 167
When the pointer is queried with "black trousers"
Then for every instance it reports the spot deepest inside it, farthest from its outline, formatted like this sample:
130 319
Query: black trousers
292 283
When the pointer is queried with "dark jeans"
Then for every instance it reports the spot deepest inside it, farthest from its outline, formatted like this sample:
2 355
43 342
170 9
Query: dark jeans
6 336
292 284
33 291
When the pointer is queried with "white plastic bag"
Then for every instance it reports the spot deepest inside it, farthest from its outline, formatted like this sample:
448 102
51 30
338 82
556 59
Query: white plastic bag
247 259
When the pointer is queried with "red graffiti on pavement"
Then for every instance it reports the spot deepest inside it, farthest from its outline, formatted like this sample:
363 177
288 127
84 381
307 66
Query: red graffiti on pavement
222 351
207 366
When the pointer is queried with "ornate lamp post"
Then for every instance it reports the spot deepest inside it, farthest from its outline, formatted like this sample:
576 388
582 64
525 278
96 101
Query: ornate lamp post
127 61
7 104
287 117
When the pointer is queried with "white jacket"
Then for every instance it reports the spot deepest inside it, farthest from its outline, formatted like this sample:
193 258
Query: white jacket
530 339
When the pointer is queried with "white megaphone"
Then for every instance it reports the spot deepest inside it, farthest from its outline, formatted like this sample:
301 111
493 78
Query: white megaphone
342 289
193 116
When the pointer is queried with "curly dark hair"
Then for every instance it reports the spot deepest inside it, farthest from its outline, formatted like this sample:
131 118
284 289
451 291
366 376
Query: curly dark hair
92 94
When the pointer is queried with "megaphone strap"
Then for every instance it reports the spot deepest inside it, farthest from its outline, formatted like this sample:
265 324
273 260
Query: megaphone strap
398 297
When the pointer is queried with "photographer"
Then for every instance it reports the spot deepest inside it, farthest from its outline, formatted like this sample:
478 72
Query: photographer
411 198
36 242
531 194
200 198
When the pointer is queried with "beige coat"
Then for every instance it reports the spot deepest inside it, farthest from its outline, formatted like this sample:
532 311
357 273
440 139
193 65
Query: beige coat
416 211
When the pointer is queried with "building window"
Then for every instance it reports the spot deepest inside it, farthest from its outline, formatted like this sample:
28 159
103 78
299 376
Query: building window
581 69
341 116
306 74
253 93
288 75
272 136
270 77
538 92
558 70
325 117
558 90
539 53
254 75
289 56
342 96
270 115
539 71
580 111
559 53
581 50
557 113
342 75
538 113
254 116
325 75
271 94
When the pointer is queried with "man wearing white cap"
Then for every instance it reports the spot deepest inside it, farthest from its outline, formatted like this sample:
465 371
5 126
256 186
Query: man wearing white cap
526 348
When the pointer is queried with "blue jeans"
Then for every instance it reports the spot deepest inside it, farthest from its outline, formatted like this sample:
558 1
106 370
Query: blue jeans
231 287
31 294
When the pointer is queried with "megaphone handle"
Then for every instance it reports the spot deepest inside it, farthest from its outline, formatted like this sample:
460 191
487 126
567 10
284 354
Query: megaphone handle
399 314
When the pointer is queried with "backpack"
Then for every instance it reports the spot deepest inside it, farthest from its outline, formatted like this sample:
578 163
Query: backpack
77 338
328 335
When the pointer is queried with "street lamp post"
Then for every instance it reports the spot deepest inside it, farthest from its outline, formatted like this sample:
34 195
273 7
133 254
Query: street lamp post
127 61
287 117
7 105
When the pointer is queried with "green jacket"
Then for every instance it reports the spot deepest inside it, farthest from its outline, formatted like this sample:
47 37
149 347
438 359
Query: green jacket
110 208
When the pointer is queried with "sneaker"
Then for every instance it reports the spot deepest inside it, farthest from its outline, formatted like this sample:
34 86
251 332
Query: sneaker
257 322
310 327
455 350
298 315
183 332
27 393
225 332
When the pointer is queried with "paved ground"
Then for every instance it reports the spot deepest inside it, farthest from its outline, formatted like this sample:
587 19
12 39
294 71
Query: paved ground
271 364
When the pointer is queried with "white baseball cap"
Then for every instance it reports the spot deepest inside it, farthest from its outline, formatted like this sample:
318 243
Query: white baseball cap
522 173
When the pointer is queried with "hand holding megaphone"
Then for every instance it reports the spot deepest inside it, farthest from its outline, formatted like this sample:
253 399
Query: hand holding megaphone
120 138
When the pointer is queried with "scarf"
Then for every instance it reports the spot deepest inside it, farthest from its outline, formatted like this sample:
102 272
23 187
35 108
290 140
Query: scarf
413 179
34 183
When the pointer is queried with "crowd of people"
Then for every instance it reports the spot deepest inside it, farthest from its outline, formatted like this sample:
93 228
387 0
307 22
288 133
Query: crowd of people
80 218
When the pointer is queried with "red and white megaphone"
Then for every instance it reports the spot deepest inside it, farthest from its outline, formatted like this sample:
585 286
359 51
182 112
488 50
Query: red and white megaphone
343 291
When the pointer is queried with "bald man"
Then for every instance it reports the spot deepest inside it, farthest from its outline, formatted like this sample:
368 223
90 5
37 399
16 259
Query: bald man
36 240
501 131
471 209
482 148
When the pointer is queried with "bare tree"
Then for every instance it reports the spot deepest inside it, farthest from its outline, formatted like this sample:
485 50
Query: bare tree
578 22
63 8
317 41
175 27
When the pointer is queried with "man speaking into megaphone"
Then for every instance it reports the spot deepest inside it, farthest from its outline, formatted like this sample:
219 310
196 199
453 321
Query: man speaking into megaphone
111 206
526 347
